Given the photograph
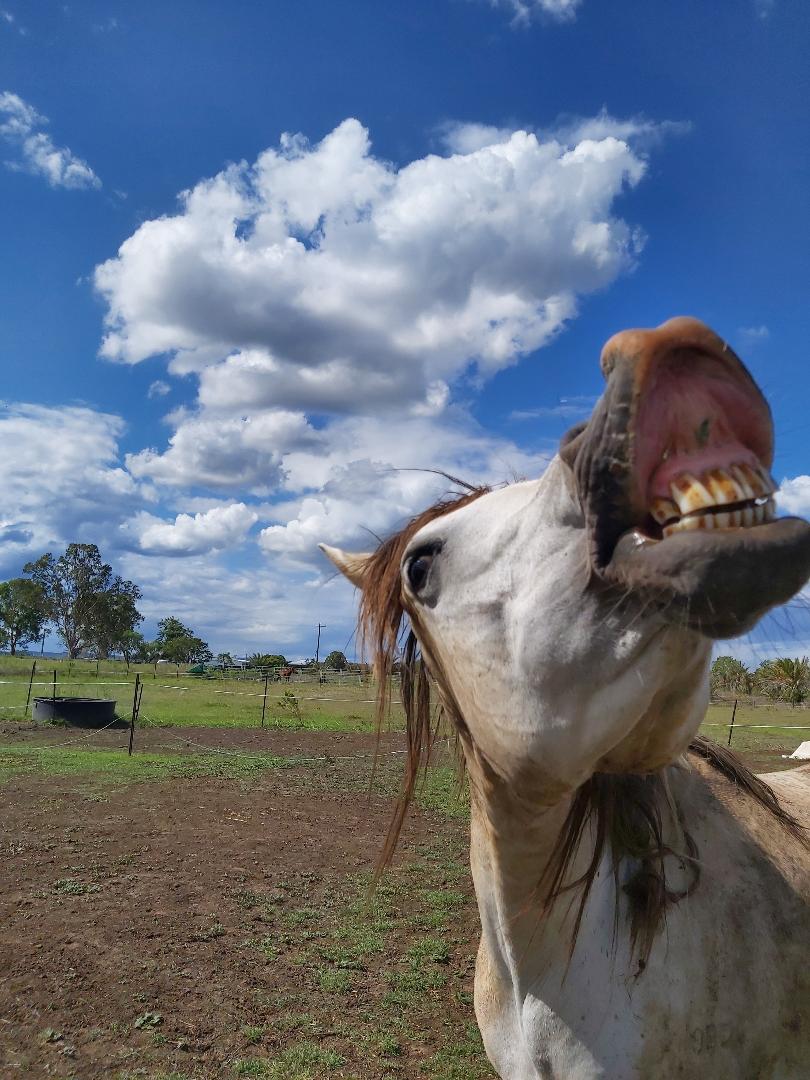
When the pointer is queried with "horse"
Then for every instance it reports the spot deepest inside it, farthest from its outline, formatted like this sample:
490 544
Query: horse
643 896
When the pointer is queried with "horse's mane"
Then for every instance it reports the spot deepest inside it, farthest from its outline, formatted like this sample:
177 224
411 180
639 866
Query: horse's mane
626 812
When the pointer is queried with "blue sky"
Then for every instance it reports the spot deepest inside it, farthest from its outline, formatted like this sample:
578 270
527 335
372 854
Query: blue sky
361 274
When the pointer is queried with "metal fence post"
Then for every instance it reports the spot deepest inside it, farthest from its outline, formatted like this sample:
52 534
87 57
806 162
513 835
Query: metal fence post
30 684
731 725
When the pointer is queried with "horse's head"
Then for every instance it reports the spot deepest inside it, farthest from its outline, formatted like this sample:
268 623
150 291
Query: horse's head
568 619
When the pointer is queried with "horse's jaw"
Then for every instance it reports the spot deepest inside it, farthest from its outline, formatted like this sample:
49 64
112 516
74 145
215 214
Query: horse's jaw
673 474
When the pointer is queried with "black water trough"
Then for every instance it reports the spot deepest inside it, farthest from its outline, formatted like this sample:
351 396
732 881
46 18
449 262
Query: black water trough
90 712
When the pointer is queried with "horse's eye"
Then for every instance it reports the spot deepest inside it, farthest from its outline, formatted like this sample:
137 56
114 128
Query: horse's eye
417 567
418 570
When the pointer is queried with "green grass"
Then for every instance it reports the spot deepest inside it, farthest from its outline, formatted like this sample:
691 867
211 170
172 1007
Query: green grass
115 766
173 699
765 731
308 775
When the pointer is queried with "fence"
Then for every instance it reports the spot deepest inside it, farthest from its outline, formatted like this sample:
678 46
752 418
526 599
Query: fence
343 702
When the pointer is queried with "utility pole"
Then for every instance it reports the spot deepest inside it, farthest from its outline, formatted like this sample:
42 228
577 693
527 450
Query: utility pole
318 645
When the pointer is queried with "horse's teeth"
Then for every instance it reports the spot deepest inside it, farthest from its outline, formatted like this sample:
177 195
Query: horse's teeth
758 481
743 482
690 524
739 483
690 494
664 510
723 487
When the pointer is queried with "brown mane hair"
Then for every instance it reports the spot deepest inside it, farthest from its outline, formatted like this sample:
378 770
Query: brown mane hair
626 811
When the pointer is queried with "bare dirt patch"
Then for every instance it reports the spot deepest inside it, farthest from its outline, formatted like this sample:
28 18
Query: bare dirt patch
209 927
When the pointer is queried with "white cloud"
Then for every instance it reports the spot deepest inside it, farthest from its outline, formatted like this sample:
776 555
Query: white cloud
323 278
575 407
66 483
794 496
257 608
376 474
753 335
526 10
159 388
236 452
19 122
212 530
10 20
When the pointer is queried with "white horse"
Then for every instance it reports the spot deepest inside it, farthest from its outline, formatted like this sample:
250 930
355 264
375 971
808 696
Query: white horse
643 896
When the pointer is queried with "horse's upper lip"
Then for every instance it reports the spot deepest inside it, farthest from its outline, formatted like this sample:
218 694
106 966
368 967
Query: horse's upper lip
673 473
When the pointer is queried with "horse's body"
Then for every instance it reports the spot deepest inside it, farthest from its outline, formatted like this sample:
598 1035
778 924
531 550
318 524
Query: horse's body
644 911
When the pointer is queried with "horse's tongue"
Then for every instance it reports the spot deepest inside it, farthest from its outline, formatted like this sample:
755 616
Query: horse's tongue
721 583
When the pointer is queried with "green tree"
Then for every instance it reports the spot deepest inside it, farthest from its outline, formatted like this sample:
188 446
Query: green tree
180 644
224 659
134 647
336 661
114 618
89 606
22 612
785 679
730 674
267 660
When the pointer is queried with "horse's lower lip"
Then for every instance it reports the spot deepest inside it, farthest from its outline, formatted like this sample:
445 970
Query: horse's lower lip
718 583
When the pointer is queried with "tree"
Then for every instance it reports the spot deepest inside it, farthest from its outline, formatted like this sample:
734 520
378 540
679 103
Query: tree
22 612
179 644
785 679
267 660
133 646
336 661
89 606
224 659
730 674
114 618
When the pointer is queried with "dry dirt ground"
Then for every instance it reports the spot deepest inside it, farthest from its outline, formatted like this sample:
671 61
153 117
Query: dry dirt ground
218 926
214 927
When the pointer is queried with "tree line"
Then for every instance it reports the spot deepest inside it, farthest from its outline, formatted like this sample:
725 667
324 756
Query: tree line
784 679
92 611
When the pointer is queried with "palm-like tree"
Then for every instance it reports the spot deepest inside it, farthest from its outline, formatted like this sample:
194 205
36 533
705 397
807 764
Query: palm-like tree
785 679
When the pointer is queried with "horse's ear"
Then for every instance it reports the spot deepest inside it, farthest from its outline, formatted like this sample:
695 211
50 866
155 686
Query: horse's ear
350 563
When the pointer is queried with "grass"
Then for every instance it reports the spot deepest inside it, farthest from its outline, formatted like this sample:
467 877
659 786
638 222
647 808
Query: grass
103 769
173 699
378 994
765 731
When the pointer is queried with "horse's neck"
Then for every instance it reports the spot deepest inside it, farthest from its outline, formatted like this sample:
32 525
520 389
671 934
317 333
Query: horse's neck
511 845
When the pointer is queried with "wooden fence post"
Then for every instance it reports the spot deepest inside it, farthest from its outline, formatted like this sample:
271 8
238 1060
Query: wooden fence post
264 699
30 684
135 705
54 684
731 725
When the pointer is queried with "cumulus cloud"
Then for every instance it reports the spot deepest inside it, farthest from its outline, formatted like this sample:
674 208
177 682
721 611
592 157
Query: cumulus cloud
235 452
354 491
255 608
211 530
794 496
67 483
325 279
19 126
